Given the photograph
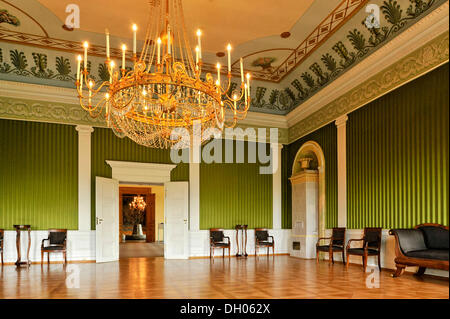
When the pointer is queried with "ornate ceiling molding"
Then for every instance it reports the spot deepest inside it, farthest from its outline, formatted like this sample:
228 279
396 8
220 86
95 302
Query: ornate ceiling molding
414 65
430 27
44 103
338 17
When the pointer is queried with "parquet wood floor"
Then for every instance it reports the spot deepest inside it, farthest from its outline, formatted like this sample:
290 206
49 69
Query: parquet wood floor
262 277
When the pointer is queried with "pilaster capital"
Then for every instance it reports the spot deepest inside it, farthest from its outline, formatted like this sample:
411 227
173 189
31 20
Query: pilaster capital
341 121
280 146
84 129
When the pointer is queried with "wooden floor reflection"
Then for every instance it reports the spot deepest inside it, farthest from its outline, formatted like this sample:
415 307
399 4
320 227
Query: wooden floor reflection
262 277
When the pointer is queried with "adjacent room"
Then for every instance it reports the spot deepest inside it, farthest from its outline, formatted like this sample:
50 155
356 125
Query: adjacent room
173 149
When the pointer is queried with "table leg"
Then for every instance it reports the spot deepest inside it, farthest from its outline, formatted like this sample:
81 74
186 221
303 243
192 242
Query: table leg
237 243
18 248
245 243
29 246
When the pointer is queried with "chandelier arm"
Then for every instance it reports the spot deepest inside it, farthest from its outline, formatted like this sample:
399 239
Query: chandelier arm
92 110
228 86
114 104
240 97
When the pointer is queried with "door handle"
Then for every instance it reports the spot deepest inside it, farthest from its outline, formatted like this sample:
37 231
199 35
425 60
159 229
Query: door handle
99 220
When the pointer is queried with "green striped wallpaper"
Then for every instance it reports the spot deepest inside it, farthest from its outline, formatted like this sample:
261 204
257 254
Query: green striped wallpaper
232 194
38 175
397 156
107 146
326 137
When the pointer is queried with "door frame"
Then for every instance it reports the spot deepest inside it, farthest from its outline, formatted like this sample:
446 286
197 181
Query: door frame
149 208
141 173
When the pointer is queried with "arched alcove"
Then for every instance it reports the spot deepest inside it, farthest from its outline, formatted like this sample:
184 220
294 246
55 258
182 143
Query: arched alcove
314 173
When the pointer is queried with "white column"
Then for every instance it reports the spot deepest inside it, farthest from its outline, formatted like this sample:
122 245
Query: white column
341 124
84 177
276 185
194 193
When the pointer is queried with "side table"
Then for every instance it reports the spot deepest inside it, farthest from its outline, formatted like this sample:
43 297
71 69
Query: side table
19 230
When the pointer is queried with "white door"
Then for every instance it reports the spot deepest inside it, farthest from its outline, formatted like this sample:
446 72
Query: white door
107 219
176 235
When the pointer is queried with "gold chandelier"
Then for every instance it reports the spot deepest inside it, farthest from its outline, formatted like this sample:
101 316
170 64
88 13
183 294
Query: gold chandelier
164 92
138 203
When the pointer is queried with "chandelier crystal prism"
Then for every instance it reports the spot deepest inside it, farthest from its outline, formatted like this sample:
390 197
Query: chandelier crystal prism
163 96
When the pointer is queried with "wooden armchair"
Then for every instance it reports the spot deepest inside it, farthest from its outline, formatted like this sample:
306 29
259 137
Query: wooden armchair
57 243
371 246
336 244
262 240
2 236
216 240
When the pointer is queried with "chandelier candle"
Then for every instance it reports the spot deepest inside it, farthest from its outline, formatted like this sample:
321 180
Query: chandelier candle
196 56
229 57
169 51
111 72
107 45
150 105
86 46
248 83
159 50
124 50
199 37
78 67
218 74
134 39
242 70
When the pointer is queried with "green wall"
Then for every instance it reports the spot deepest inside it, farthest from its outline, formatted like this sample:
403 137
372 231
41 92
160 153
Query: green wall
107 146
326 137
38 175
232 194
397 156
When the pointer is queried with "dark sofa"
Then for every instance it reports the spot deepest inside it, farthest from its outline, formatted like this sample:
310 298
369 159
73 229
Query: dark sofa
425 246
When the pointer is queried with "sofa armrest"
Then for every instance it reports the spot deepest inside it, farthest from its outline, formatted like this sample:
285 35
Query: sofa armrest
398 249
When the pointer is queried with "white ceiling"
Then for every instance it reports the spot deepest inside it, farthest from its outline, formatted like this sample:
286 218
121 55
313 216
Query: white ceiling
223 21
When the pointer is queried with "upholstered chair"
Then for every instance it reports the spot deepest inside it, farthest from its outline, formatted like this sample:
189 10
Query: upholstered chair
56 243
217 240
262 240
371 246
336 244
2 239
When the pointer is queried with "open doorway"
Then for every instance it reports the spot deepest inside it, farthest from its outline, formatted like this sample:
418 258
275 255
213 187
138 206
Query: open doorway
141 217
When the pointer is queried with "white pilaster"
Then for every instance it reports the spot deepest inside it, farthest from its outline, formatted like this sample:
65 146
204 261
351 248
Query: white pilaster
84 176
341 124
194 193
276 185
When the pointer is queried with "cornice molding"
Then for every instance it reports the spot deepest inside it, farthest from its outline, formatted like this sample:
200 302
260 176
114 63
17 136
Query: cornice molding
308 176
398 65
44 111
140 172
43 103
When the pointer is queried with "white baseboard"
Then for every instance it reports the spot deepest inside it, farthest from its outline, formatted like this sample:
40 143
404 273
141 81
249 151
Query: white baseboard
387 253
80 246
199 242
